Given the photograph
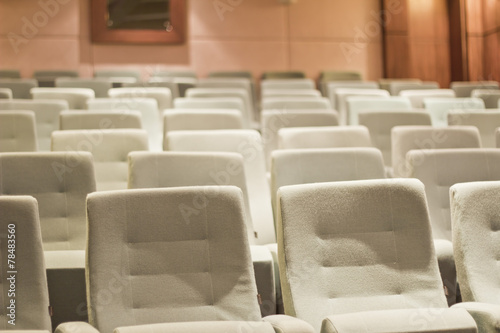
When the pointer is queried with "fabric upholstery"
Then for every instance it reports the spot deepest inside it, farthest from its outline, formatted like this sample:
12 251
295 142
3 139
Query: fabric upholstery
248 143
232 103
20 87
438 108
341 95
163 96
385 83
485 121
497 136
489 96
273 121
109 149
157 82
485 315
290 92
111 73
10 74
406 138
417 96
182 120
396 87
464 89
206 327
323 137
100 86
46 116
60 182
6 93
380 124
146 242
227 80
76 120
329 88
357 104
17 131
296 103
76 97
287 83
19 214
337 260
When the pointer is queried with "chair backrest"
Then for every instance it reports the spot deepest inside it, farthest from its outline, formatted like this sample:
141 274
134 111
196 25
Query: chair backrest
335 75
417 96
158 82
60 182
341 95
283 75
113 73
17 131
485 121
334 259
54 74
438 107
290 93
329 89
323 137
465 88
474 208
188 120
10 74
232 103
46 116
109 149
248 143
273 121
198 266
380 124
28 307
304 166
20 87
357 104
406 138
6 93
175 73
176 169
296 103
396 87
385 83
231 74
76 97
287 84
79 120
100 86
246 83
490 97
162 95
441 168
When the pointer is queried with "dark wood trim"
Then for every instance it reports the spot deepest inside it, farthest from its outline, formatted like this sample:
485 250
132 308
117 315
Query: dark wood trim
458 40
101 33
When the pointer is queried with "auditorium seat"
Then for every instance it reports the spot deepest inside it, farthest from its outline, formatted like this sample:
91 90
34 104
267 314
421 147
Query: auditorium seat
417 97
79 120
109 149
296 103
188 120
6 93
158 83
380 124
491 97
396 87
406 138
357 104
10 74
231 74
119 75
290 93
20 87
279 75
323 137
465 88
47 78
46 116
338 75
287 84
385 83
163 96
100 86
175 73
486 122
26 299
349 269
246 83
197 276
438 108
77 98
184 79
341 95
332 87
17 131
273 121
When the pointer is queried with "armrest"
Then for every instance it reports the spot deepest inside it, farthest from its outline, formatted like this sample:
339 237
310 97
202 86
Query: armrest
487 316
75 327
200 326
288 324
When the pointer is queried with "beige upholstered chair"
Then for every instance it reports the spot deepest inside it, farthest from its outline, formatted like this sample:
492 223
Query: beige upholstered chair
196 276
485 121
162 95
182 120
20 87
100 86
489 96
10 74
273 121
386 83
118 73
46 115
340 99
438 108
290 93
395 88
159 83
77 98
358 104
17 131
328 89
287 83
77 120
347 266
22 239
380 124
296 103
406 138
323 137
6 93
231 80
465 88
109 148
417 96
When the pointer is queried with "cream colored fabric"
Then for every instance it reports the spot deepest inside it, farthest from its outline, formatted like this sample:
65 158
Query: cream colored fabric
406 138
380 124
109 149
248 143
100 86
60 182
485 121
25 298
417 97
341 95
181 120
226 80
46 116
17 131
148 107
328 87
485 315
5 93
175 73
273 121
337 260
77 98
205 327
76 120
111 73
464 89
296 103
438 108
10 74
385 83
163 96
198 265
232 103
20 87
489 96
159 83
287 84
290 92
323 137
358 104
396 87
497 136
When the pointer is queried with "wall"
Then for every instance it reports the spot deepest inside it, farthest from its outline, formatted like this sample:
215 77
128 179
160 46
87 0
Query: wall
256 35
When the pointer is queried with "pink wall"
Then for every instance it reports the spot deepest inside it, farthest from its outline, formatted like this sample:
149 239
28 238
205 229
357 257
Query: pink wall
257 35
